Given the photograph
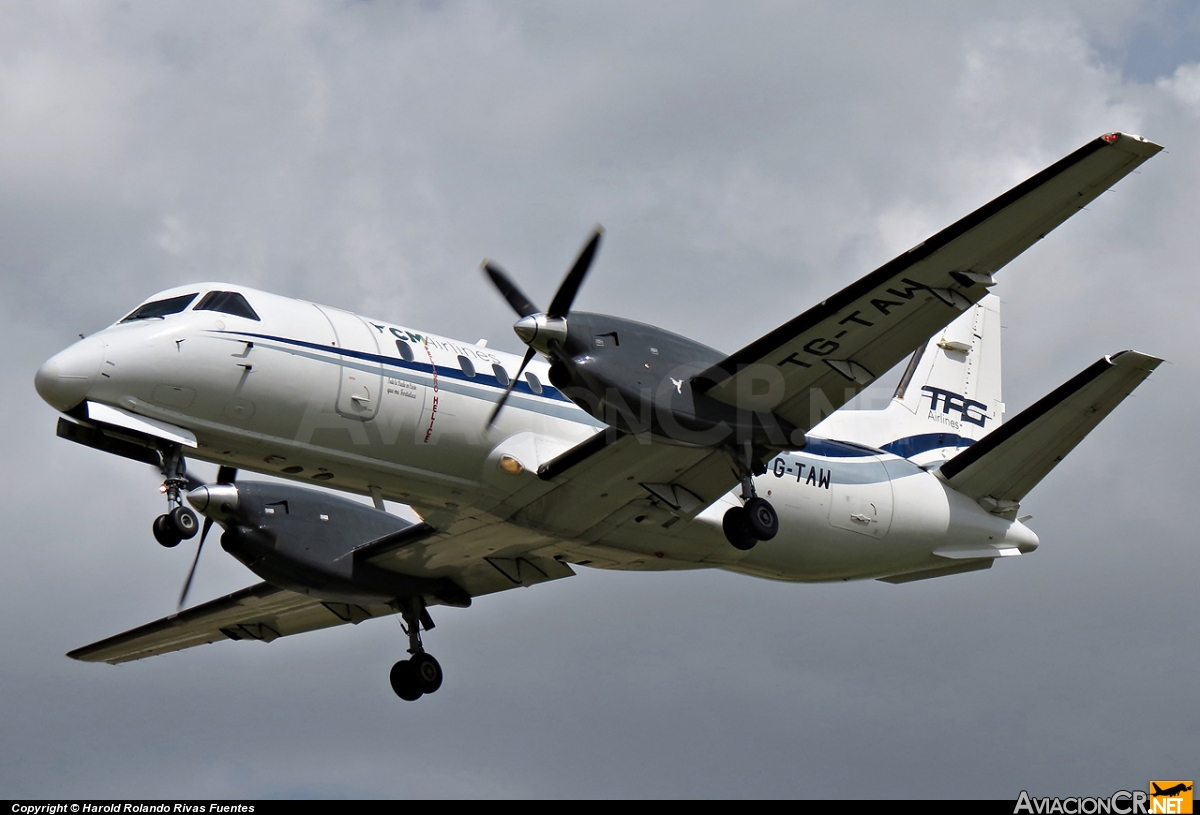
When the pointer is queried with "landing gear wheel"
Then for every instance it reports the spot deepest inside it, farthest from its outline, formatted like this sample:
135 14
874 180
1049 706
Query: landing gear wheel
738 531
185 522
404 681
763 518
427 672
165 532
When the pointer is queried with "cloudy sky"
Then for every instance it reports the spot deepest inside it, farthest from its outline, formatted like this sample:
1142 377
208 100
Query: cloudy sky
747 160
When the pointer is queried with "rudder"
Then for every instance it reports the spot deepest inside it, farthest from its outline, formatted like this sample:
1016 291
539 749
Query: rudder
953 382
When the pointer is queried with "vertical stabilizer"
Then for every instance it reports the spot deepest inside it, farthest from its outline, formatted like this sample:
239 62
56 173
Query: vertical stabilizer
948 398
954 381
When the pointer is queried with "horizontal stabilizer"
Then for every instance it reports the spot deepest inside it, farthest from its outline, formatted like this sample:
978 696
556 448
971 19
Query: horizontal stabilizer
961 567
999 470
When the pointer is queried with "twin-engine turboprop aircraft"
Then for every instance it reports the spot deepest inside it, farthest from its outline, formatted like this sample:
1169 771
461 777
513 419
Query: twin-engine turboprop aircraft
627 447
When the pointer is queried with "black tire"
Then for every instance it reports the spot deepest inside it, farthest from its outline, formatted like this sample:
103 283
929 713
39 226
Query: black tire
404 681
165 532
185 522
737 529
427 671
763 518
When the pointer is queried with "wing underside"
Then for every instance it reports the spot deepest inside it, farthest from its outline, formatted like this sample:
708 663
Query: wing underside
262 612
617 506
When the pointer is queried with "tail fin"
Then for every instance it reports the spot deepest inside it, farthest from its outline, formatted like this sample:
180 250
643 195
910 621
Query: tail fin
953 382
948 398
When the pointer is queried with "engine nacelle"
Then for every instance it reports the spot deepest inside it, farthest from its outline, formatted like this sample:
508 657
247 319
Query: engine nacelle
308 541
638 378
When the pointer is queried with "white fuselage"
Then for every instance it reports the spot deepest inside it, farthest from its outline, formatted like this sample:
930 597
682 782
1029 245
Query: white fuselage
326 397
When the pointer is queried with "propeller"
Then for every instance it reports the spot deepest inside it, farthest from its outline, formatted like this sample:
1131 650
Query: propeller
225 475
541 331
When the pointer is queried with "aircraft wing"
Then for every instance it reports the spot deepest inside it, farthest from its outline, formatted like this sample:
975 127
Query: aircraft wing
615 501
624 504
262 612
818 361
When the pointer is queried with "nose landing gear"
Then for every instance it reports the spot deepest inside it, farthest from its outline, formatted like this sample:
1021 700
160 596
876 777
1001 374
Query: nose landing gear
178 523
421 674
175 526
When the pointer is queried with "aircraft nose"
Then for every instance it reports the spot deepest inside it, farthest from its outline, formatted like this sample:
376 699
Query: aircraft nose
65 379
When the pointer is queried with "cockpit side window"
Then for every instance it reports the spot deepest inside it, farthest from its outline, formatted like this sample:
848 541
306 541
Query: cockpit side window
227 302
161 308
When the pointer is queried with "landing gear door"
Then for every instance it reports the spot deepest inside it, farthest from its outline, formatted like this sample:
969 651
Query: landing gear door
361 386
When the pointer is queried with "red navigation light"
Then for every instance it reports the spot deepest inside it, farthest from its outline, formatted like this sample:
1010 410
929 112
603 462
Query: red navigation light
1110 137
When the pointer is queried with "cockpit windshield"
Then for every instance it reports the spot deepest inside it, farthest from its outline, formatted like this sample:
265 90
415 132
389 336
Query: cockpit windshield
161 308
227 302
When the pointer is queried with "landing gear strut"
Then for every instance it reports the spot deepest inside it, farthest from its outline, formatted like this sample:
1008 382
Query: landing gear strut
420 674
178 523
756 520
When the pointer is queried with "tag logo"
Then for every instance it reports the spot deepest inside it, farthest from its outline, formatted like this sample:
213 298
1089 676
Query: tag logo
969 410
1171 797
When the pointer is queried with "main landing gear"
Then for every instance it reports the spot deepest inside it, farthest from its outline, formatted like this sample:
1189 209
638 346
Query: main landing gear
420 674
756 520
178 523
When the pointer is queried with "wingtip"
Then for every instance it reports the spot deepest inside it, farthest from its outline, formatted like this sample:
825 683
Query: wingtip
1147 362
82 655
1131 143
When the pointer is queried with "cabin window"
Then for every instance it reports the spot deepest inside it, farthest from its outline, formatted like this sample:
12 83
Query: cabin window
501 374
465 364
226 302
535 384
161 308
406 352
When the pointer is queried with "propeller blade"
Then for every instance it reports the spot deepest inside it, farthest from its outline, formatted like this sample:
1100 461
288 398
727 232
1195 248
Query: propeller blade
226 475
515 297
187 584
511 384
561 304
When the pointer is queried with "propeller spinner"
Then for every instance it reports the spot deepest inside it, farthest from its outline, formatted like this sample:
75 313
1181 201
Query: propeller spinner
205 499
543 332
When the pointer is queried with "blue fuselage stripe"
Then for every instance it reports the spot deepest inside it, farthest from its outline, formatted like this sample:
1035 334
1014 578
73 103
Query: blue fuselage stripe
480 378
910 446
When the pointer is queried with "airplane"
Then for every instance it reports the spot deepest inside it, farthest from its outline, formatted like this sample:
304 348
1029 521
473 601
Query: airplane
611 443
1170 792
